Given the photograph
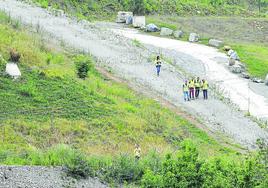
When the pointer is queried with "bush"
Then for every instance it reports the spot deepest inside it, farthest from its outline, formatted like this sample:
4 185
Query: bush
83 65
14 56
78 167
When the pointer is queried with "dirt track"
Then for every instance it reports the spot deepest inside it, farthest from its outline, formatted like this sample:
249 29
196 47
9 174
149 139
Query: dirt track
115 50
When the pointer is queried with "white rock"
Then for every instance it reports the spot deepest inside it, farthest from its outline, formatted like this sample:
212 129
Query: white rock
122 15
13 70
193 37
215 43
139 21
166 31
266 80
178 34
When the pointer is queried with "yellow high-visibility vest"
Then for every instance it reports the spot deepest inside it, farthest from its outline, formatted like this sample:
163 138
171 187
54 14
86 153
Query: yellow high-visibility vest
191 84
205 85
197 83
185 87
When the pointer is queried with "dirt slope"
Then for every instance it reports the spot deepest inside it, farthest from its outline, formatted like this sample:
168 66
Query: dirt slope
117 52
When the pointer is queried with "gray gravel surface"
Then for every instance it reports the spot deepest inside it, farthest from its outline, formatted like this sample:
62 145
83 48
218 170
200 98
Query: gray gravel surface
133 64
42 177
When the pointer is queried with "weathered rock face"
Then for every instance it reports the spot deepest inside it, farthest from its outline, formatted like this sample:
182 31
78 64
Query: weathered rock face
266 80
166 31
121 16
178 34
139 21
193 37
215 43
13 70
152 28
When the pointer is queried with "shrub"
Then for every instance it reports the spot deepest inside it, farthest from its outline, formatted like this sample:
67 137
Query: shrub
78 167
83 65
14 55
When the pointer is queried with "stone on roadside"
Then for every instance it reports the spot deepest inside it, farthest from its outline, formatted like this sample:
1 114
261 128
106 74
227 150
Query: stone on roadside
257 80
193 37
122 15
245 75
215 43
266 80
139 22
129 19
152 28
166 31
233 54
178 34
236 69
231 62
227 48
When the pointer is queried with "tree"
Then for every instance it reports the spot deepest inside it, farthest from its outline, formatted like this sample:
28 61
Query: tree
137 7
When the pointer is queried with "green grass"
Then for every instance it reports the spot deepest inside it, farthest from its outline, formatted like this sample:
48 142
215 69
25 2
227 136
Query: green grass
255 57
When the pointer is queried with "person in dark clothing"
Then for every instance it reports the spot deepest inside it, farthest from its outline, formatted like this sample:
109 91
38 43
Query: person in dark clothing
158 65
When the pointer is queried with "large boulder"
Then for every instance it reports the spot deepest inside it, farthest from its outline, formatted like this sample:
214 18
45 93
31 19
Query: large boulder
129 19
215 43
236 69
193 37
233 54
166 31
178 34
232 62
139 21
121 16
266 80
152 28
13 70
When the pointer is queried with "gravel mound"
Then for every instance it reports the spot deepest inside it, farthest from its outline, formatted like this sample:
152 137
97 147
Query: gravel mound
42 177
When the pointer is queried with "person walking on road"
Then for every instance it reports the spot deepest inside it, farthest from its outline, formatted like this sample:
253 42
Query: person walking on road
158 65
191 88
197 87
205 89
186 91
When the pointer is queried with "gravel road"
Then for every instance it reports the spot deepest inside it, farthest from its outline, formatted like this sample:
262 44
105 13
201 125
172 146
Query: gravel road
112 44
41 177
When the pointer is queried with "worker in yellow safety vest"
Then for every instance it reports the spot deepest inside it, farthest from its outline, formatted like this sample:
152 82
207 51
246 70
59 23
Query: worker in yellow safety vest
185 89
197 87
205 89
137 152
191 88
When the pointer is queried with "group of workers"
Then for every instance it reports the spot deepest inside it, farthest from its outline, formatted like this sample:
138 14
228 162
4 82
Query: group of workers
191 88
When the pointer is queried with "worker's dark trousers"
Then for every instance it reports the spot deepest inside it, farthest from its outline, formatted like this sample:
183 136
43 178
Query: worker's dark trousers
191 93
205 94
158 68
197 91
